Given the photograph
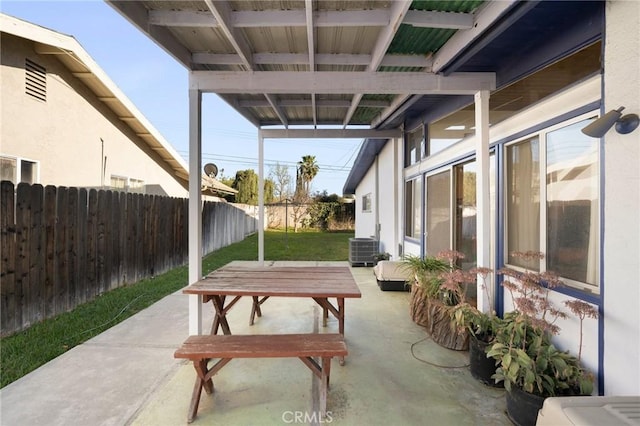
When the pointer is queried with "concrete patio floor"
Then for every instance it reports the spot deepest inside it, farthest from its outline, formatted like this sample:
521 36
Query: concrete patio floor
394 374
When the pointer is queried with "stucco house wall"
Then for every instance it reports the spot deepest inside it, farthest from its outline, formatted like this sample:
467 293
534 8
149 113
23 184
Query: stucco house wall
621 176
366 218
74 138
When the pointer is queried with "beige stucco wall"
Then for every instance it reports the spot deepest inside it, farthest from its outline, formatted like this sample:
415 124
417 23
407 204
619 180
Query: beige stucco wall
621 171
64 133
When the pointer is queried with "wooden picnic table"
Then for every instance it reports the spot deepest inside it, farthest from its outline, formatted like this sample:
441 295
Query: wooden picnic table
261 282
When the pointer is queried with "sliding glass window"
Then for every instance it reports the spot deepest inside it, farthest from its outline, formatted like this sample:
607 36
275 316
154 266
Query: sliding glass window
560 215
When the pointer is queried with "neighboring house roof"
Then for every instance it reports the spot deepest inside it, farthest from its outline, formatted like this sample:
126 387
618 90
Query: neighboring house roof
71 54
211 184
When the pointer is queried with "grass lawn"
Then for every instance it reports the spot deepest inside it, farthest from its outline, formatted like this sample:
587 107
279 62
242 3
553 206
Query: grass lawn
25 351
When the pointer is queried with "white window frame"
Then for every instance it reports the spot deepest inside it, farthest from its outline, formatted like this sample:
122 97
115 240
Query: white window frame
366 203
19 161
542 137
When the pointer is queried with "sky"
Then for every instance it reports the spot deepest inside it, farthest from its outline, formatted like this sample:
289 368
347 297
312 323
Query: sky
157 85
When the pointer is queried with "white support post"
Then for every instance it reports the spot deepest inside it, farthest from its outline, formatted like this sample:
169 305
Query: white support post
260 198
195 207
483 209
397 197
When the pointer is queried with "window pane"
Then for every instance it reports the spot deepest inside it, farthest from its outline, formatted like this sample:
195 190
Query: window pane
408 208
572 204
8 169
414 146
118 182
523 200
413 189
366 203
417 192
465 220
27 171
438 216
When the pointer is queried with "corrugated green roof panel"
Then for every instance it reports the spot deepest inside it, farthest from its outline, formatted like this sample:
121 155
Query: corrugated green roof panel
413 40
420 41
364 115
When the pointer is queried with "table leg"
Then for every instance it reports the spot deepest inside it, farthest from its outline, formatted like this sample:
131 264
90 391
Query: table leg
341 323
220 319
255 309
338 313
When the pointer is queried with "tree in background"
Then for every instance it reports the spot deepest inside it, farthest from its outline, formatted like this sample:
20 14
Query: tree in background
246 182
330 211
281 178
307 170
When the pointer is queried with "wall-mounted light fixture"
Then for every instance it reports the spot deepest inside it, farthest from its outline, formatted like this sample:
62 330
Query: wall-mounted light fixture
624 123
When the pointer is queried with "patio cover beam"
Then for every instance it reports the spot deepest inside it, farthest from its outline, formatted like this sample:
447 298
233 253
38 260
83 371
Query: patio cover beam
299 18
269 58
327 82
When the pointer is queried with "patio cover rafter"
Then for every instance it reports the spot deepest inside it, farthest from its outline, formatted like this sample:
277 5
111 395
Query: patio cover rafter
328 82
398 11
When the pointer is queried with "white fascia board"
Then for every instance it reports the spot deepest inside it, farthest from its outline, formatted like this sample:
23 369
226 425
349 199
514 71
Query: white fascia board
328 82
429 19
485 17
36 33
330 133
265 58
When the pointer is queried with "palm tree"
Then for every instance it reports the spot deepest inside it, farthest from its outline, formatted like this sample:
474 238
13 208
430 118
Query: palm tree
307 170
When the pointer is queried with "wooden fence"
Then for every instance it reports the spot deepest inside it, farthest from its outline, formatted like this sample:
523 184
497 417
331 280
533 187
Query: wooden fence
65 246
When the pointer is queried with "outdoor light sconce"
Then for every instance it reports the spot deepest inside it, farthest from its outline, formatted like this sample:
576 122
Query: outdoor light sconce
624 123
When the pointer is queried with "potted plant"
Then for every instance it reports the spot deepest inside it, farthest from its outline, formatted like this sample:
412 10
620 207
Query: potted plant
380 256
426 285
530 365
482 328
439 286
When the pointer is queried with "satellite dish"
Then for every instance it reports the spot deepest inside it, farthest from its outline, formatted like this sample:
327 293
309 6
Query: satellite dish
211 170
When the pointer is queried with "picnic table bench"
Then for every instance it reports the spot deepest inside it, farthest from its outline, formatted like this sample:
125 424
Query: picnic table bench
200 349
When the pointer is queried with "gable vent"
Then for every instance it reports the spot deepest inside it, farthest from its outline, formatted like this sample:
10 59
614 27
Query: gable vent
36 80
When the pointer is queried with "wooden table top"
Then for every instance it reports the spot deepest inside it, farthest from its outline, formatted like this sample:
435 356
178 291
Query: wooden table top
283 281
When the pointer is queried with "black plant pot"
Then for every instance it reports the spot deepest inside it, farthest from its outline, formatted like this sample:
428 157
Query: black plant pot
481 367
523 407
